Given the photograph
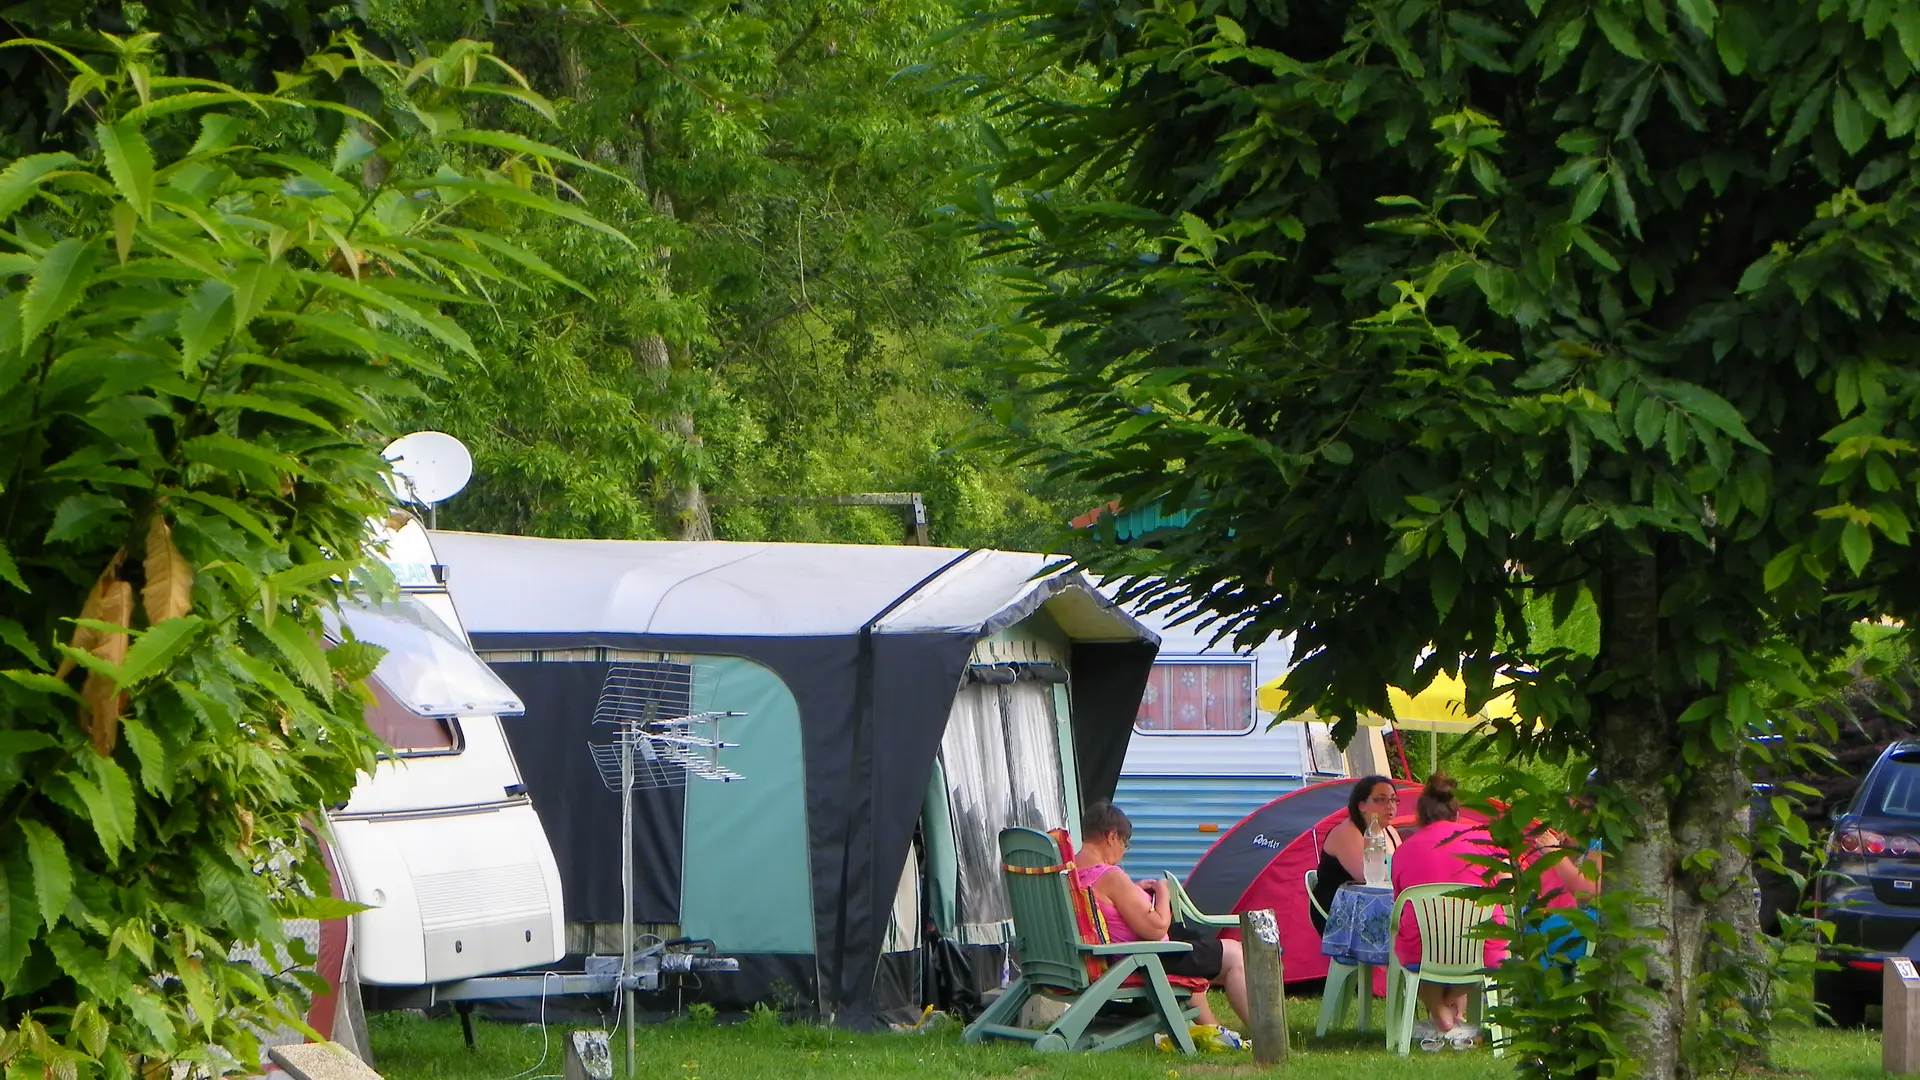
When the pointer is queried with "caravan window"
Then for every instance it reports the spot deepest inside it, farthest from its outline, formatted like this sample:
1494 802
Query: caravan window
409 733
1197 697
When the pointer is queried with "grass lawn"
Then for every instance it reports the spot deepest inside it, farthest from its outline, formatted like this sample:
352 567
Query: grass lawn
410 1048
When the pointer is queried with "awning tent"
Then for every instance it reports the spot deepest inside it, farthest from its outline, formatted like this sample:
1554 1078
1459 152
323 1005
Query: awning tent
849 662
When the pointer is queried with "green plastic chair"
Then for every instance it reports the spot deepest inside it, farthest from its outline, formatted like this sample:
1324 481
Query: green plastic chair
1334 995
1056 963
1184 910
1450 955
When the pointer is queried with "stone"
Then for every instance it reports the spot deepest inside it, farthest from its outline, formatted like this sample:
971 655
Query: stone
1039 1013
589 1055
320 1061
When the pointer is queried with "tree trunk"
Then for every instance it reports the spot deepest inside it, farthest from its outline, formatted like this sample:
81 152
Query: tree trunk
1636 755
685 504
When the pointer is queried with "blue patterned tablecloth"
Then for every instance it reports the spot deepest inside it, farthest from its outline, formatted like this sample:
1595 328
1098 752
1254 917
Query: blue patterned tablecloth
1357 925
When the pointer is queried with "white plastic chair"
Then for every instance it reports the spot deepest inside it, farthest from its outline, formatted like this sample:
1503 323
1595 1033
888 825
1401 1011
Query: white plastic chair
1450 955
1333 999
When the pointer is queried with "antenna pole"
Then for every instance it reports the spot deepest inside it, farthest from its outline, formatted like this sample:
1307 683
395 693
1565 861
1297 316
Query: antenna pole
626 884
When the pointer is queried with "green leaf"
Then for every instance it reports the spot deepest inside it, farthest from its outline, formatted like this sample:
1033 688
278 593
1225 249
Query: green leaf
1708 406
1592 192
147 1011
517 254
129 161
1852 124
80 515
41 683
299 647
351 149
1623 201
200 326
284 409
61 280
22 179
1757 274
9 570
52 873
152 651
19 917
238 514
1701 13
1856 543
1648 419
507 193
520 144
1619 33
1229 30
156 765
321 908
439 326
253 288
1780 568
14 636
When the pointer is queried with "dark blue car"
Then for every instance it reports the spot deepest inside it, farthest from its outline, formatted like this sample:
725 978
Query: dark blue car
1872 889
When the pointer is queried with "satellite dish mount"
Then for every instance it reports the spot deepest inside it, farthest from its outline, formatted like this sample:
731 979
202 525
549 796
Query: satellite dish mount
429 467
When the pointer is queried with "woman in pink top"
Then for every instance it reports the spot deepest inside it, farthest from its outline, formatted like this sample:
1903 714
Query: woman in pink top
1439 853
1142 911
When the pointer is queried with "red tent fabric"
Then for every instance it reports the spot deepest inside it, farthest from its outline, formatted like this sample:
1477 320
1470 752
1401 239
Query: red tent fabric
1262 863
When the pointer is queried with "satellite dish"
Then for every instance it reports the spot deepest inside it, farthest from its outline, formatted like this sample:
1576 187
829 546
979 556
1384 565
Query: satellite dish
428 466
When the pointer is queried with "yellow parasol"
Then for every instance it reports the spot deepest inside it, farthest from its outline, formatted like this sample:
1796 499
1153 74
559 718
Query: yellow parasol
1439 709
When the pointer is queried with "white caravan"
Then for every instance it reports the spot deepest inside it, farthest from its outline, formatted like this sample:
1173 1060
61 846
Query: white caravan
440 841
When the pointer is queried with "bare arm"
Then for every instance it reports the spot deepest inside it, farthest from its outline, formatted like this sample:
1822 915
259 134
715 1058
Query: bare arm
1147 914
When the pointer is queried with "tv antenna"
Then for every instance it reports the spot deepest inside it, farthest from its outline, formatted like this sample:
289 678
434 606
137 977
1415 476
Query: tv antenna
660 740
429 467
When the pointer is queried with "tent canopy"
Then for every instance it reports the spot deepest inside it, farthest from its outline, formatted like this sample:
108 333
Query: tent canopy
855 655
529 585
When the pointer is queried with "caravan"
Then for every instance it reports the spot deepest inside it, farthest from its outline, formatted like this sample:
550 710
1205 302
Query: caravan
1203 755
440 841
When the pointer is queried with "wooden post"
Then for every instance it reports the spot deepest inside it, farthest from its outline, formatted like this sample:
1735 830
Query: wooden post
1266 986
1900 1026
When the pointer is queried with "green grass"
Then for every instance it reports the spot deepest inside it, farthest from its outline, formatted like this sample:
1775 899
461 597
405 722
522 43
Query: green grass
410 1048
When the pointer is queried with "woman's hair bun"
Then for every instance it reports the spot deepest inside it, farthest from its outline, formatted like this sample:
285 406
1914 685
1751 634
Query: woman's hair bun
1441 786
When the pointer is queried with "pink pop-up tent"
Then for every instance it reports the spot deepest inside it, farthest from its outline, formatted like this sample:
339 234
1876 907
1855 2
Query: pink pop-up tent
1262 863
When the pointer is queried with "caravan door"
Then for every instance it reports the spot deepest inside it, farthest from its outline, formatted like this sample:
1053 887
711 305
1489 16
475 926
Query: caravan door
441 841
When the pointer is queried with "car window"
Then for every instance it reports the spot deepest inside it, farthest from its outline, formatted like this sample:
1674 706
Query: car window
1899 796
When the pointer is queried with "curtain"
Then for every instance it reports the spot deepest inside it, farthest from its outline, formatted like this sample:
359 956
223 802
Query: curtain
1001 758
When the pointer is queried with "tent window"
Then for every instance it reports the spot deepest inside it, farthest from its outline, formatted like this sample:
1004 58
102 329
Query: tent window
1001 759
406 731
1193 697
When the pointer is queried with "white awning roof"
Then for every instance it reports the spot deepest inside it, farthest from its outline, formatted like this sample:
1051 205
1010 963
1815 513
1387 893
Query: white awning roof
530 585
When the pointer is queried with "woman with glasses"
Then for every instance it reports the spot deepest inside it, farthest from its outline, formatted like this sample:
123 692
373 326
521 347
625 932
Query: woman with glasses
1142 910
1343 858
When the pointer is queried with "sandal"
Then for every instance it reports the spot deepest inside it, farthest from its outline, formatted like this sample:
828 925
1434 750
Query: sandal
1433 1044
1463 1038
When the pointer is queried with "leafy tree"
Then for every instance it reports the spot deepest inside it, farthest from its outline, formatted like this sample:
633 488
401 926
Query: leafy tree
201 341
790 326
1434 312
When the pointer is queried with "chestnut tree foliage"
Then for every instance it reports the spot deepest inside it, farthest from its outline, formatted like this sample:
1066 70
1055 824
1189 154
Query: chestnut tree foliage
205 326
1449 319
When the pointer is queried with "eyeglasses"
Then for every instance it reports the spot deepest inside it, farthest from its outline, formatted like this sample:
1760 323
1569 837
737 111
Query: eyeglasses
1393 799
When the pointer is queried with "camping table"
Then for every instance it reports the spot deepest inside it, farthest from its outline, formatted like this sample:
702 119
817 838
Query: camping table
1357 924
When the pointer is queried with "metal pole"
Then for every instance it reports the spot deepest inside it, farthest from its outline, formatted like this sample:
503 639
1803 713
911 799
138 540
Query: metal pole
626 884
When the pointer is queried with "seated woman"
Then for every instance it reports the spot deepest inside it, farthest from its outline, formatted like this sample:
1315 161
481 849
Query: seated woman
1343 857
1142 911
1440 852
1572 881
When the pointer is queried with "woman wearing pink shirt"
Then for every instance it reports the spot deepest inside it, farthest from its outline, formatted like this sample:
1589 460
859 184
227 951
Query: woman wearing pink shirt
1142 910
1441 852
